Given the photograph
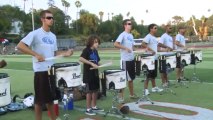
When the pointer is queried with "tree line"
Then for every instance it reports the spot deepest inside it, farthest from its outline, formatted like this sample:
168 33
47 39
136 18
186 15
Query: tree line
88 23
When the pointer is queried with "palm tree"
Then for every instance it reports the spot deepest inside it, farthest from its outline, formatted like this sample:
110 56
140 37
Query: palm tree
66 6
128 14
51 3
24 4
101 13
78 5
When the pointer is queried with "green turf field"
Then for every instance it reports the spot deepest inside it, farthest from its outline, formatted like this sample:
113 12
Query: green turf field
19 69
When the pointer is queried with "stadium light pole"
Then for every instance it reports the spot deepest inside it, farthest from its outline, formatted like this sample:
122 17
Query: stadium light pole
32 17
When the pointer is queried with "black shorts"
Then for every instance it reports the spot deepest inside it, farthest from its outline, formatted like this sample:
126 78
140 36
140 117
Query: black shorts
43 88
129 66
153 73
178 61
92 81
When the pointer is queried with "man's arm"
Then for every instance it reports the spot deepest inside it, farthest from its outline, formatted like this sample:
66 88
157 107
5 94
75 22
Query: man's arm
25 49
144 45
118 45
64 53
178 44
164 46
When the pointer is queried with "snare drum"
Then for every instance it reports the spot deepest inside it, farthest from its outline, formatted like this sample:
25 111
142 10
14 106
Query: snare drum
67 74
5 97
147 61
115 79
167 61
183 58
196 56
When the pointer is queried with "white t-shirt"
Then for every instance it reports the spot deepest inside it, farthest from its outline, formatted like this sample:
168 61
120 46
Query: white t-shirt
126 39
166 40
152 43
45 44
180 38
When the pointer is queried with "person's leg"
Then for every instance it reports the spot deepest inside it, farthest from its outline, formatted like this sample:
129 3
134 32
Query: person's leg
121 94
163 78
38 111
178 72
88 100
166 78
146 82
94 98
130 85
50 108
153 83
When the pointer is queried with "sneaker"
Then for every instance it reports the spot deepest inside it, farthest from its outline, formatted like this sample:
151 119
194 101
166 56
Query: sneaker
97 109
146 92
90 112
156 89
134 96
165 85
121 100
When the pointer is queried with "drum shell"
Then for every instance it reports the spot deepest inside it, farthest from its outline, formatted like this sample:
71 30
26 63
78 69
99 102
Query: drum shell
115 79
69 72
5 97
196 56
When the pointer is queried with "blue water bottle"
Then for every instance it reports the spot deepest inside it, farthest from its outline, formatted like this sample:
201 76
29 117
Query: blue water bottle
70 102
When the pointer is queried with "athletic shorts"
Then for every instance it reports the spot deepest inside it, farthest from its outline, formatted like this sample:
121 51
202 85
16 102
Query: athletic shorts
178 62
153 73
43 88
129 66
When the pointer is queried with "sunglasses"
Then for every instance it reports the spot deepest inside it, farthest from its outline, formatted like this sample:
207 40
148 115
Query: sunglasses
129 24
154 28
170 28
49 18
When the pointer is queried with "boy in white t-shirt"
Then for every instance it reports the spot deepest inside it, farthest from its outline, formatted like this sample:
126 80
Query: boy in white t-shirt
180 46
165 45
125 43
150 43
41 44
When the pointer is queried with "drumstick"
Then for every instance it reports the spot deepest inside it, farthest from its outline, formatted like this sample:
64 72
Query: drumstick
55 57
52 58
103 65
141 51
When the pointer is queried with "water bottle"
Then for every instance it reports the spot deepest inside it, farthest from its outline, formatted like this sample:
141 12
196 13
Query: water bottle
65 101
56 107
70 102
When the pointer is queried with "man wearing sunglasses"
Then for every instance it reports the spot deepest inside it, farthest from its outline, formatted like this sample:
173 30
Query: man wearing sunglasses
180 46
150 43
165 45
125 43
42 44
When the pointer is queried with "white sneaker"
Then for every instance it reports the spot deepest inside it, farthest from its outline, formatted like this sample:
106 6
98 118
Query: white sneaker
146 92
165 85
121 100
156 89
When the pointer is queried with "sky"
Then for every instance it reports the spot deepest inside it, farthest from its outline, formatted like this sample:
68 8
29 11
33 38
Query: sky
159 11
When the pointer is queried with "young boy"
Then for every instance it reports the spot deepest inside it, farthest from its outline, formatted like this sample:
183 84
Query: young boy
90 58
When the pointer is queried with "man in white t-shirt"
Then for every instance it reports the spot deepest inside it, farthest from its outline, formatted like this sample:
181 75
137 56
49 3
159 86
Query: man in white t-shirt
180 46
165 45
42 44
125 43
150 43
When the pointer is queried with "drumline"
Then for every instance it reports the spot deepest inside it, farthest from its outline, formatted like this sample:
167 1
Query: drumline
69 73
168 60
